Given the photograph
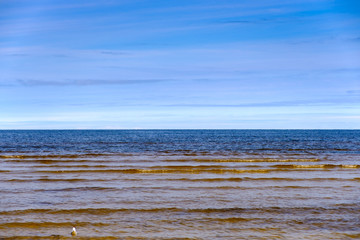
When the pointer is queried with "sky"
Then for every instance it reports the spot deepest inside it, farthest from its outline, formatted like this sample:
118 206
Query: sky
181 64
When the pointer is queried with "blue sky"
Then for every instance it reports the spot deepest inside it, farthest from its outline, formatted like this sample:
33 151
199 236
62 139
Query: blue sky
180 64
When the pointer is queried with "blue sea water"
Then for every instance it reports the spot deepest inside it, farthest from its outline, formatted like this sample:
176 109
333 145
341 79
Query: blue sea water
180 184
140 141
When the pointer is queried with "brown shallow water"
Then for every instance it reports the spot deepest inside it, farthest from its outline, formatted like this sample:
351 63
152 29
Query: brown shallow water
179 189
178 197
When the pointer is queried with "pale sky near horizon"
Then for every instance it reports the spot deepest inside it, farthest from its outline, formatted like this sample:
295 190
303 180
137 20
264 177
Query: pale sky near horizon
185 64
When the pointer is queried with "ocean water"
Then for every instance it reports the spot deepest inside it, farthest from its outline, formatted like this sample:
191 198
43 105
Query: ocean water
180 184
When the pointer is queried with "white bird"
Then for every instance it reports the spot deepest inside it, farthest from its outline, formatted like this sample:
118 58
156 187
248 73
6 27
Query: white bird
73 233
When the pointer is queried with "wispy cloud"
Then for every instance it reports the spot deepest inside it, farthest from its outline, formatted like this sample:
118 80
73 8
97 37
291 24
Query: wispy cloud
116 53
354 93
293 103
160 18
86 82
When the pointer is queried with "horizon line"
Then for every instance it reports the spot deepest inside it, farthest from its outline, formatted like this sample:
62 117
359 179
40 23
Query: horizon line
179 129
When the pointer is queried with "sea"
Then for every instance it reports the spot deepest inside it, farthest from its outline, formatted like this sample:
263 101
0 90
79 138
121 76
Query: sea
180 184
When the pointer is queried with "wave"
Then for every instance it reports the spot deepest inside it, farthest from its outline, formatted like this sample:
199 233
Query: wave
258 179
49 224
106 211
228 220
52 161
47 156
262 160
317 166
78 189
157 171
199 169
74 166
188 167
93 211
221 179
55 180
60 237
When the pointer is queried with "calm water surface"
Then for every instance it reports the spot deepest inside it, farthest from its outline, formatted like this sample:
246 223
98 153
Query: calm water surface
180 184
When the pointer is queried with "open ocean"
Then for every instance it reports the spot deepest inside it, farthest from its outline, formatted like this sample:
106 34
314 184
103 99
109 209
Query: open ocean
180 184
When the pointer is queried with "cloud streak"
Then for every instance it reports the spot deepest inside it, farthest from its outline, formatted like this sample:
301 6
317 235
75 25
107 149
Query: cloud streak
86 82
294 103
